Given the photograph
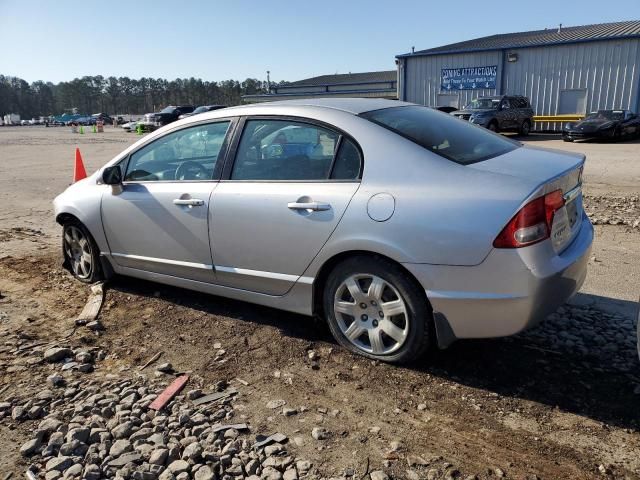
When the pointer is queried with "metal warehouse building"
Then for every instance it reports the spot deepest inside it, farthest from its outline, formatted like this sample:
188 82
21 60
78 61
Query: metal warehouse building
563 71
365 85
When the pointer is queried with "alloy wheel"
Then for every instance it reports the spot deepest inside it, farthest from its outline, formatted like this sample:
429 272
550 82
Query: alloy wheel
77 247
371 314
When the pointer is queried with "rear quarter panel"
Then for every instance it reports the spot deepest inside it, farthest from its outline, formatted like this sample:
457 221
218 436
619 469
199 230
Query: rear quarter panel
445 213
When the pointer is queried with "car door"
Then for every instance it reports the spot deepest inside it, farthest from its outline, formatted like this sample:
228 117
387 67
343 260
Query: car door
279 201
157 220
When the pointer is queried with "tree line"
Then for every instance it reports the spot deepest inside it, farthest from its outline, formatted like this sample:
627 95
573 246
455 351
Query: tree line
118 95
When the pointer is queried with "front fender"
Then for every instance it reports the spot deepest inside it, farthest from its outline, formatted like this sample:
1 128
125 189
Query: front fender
83 201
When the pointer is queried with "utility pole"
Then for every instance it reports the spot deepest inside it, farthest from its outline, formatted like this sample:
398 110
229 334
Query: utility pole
268 82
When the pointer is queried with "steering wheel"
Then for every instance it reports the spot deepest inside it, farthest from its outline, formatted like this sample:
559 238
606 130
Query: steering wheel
191 170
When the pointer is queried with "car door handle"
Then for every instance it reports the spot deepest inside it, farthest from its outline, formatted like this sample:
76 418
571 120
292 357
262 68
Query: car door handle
313 206
190 202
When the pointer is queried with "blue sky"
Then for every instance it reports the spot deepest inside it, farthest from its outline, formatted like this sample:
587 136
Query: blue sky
58 40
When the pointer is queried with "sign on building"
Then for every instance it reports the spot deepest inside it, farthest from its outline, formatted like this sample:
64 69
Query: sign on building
469 78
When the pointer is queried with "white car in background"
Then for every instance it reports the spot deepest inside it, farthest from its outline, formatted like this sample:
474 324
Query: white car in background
130 126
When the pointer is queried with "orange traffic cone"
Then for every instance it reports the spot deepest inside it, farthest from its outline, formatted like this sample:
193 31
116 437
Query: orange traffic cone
79 172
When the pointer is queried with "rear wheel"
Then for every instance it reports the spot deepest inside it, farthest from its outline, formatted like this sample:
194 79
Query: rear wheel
375 309
493 126
80 252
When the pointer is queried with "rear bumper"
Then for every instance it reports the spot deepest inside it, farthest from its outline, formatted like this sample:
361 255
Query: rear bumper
513 289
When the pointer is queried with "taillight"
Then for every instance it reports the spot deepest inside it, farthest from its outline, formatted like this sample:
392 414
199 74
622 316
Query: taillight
532 223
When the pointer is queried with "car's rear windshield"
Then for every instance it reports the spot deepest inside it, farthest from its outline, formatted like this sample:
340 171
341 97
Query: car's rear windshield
443 134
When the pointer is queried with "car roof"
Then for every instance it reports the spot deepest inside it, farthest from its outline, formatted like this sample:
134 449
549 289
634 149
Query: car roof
355 106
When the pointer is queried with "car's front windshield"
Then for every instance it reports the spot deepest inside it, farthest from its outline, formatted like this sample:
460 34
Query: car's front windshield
168 110
442 134
606 115
483 103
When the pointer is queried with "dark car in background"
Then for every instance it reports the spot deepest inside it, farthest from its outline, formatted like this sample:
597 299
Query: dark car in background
85 120
499 113
167 115
604 124
102 117
202 109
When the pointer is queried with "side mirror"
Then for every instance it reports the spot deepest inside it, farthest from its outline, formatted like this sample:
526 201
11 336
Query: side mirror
112 175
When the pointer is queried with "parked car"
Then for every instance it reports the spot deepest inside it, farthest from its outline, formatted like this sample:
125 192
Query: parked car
604 124
202 109
167 115
103 117
499 113
84 120
400 225
130 126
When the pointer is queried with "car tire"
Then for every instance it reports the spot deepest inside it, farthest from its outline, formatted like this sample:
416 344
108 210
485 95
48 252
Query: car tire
81 254
525 128
617 135
567 139
493 126
376 309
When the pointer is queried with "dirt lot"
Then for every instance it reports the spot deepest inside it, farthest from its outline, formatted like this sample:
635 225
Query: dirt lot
558 402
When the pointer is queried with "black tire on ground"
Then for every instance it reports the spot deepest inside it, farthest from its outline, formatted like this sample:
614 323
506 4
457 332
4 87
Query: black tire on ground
566 139
617 135
82 246
419 318
493 126
525 128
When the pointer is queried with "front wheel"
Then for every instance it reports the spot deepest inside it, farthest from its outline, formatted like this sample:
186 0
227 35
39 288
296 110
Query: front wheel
375 309
80 252
493 126
525 128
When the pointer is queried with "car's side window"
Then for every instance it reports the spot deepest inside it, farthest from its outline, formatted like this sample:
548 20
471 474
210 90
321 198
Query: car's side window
185 155
284 150
348 162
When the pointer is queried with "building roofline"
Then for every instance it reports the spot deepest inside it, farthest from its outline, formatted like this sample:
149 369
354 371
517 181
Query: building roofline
310 94
339 84
427 53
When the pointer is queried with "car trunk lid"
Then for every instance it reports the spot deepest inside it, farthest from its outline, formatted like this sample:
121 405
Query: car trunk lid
545 171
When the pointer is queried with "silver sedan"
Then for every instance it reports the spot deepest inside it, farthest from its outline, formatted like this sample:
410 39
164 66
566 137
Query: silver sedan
401 226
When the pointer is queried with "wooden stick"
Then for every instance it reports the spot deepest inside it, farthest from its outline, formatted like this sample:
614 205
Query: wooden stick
151 360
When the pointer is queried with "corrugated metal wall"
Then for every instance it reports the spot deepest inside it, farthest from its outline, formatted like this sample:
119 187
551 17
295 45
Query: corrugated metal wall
422 76
609 71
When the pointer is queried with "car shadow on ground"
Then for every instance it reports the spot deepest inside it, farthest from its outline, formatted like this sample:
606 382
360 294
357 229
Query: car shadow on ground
545 137
527 368
511 367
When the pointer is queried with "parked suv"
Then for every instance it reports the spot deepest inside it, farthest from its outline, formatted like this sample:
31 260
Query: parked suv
499 113
168 114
